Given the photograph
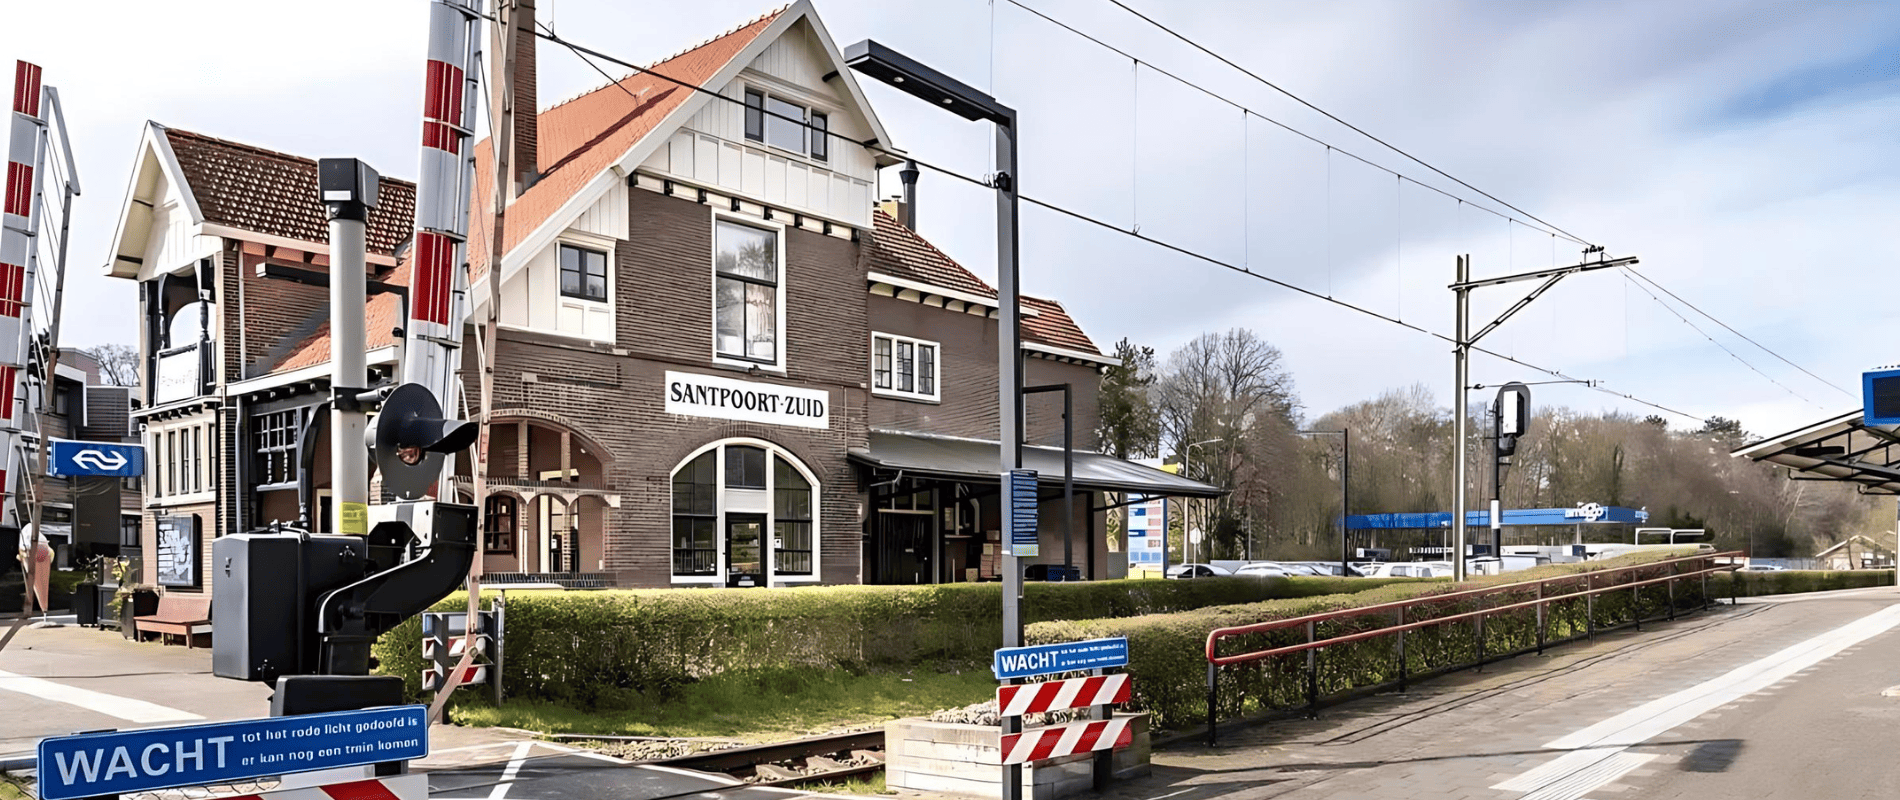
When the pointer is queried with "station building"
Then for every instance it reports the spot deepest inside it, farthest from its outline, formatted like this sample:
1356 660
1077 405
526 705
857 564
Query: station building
720 362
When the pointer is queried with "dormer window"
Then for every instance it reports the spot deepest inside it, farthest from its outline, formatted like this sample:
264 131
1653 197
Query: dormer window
783 124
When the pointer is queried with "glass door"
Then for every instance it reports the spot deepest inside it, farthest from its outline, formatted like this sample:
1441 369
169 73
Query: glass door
745 555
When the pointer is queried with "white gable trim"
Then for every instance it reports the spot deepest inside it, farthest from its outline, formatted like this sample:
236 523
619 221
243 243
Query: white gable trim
517 259
151 141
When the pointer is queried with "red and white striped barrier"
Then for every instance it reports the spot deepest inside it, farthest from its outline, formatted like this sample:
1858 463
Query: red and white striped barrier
397 787
457 646
470 676
19 232
438 282
1055 695
1056 741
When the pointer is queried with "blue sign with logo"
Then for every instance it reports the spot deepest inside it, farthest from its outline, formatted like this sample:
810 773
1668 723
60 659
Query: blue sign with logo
1019 513
68 458
88 765
1046 659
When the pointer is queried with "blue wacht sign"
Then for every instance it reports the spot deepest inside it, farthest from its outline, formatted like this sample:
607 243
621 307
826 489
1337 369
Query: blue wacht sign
1047 659
1019 513
93 764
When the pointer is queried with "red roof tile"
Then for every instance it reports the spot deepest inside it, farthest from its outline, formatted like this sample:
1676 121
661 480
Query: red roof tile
271 193
380 320
900 253
579 139
1052 325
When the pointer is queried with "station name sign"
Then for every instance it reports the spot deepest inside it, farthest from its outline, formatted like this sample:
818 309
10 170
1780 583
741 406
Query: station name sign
90 765
694 395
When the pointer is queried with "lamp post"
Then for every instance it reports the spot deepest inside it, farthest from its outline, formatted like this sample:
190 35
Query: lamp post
910 77
1187 460
1345 493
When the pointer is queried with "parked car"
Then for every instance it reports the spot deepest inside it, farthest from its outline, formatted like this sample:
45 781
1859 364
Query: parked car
1411 570
1263 571
1183 571
1763 568
1328 568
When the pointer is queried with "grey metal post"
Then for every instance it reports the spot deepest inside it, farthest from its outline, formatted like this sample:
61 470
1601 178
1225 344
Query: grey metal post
1009 391
1312 670
1402 665
1461 377
1540 618
348 188
1345 497
1213 674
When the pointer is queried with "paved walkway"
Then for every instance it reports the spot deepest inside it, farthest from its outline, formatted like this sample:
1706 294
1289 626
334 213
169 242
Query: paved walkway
1672 711
56 681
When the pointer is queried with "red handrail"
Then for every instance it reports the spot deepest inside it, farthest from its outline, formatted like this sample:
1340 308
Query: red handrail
1214 636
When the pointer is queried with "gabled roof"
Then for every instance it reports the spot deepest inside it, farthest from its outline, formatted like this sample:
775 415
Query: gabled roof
1052 325
581 138
896 251
380 321
275 194
899 252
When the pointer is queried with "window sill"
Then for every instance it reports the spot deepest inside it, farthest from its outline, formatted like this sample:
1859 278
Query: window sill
741 365
702 580
912 398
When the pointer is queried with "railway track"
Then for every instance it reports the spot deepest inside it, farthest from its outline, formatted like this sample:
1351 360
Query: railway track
810 760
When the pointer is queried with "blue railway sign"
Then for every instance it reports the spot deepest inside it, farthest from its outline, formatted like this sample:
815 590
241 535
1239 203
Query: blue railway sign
1019 513
1047 659
92 764
68 458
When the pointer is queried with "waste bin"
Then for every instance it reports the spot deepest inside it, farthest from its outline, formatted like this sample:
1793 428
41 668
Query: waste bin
86 603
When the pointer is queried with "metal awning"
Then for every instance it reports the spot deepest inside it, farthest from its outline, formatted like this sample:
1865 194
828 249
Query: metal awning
1838 449
975 461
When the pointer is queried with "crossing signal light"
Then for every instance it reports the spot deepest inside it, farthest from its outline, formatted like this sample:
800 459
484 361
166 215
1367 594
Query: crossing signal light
410 437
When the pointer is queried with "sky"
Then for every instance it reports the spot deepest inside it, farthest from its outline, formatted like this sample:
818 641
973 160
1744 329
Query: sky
1744 152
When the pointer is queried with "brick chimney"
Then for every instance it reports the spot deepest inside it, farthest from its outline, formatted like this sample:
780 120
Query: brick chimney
523 147
526 161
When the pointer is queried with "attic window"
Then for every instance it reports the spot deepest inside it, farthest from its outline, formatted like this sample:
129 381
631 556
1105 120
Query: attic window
784 129
820 144
754 116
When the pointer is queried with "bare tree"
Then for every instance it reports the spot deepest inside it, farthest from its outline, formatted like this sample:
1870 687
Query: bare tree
118 364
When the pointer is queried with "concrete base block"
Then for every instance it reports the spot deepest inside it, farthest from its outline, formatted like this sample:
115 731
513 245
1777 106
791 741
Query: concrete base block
958 759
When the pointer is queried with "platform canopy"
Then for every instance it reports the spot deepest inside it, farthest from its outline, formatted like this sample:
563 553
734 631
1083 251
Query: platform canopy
1838 449
975 461
1586 514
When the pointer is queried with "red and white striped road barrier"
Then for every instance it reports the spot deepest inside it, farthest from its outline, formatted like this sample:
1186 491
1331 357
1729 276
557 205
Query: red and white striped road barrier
1056 741
19 229
1055 695
470 676
395 787
457 646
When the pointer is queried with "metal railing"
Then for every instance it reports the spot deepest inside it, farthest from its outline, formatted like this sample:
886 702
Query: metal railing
1544 593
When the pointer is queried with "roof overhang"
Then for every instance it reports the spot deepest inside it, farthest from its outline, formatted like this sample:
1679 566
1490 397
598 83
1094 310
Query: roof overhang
1839 449
977 461
154 161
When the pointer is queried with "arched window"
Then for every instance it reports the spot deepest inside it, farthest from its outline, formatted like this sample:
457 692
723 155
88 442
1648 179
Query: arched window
744 515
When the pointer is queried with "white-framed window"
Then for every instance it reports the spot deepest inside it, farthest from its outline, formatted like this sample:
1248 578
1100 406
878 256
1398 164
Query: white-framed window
776 122
905 367
748 293
584 299
583 273
744 513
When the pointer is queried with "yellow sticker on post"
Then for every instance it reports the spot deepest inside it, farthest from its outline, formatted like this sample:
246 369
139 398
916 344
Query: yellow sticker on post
353 519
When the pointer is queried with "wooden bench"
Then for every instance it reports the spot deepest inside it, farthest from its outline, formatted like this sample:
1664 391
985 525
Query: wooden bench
177 614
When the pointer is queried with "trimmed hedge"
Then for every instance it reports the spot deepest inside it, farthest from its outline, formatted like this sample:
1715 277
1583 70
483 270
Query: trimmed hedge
1761 584
591 649
1168 660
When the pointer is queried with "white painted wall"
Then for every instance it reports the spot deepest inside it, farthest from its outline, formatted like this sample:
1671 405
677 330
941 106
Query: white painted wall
711 149
173 242
532 299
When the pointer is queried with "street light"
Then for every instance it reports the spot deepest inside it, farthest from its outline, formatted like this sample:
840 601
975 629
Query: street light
912 78
1345 493
1187 459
